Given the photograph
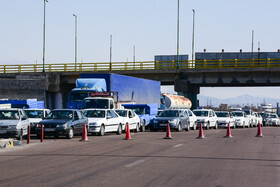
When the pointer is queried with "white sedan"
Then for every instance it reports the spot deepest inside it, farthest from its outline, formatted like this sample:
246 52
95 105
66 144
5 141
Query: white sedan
129 117
103 120
225 118
241 119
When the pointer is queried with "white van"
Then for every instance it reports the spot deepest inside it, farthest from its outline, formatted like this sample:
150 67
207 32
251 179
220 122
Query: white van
13 123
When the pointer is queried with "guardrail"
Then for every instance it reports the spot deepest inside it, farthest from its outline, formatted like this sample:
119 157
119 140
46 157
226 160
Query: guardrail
146 65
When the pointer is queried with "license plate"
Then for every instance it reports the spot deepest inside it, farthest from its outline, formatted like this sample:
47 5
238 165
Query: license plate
2 132
49 129
162 125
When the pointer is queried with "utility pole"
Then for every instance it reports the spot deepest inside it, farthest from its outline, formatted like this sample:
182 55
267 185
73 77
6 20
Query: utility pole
44 35
178 36
110 52
75 41
193 38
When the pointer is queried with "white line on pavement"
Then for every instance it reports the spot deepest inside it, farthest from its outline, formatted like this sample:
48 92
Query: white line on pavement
178 145
134 163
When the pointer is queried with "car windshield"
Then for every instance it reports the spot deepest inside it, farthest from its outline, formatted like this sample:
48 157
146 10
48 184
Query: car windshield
247 112
9 114
263 115
94 113
169 113
78 96
273 116
222 114
122 113
201 113
237 114
34 113
139 110
95 103
60 115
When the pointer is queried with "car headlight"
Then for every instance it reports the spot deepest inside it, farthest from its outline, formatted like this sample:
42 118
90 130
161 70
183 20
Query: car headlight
92 124
61 126
173 121
12 127
155 121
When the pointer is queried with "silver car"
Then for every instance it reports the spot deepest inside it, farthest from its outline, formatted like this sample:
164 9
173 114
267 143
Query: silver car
13 123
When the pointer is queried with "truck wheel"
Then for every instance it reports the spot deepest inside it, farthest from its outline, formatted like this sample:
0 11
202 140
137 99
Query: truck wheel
102 131
119 131
143 126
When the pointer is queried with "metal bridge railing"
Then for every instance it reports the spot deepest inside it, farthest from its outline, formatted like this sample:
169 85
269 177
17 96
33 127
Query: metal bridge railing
146 65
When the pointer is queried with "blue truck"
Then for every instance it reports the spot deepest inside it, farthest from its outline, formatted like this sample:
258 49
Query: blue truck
122 88
146 112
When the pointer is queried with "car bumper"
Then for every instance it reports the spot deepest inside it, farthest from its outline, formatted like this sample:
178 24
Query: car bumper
93 129
164 126
223 124
10 133
53 131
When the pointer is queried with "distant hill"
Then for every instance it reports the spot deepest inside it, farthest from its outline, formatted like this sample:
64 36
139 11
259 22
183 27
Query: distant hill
241 100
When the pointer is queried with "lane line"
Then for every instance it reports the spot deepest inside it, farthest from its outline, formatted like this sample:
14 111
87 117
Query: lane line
134 163
178 145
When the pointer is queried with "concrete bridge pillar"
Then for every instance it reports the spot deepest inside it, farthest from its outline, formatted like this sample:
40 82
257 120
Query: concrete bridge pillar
188 90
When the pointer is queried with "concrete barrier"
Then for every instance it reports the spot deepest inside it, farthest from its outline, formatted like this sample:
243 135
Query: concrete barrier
6 143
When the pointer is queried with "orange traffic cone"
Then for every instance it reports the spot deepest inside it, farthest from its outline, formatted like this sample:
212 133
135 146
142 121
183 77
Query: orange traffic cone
228 132
127 136
259 131
168 133
84 136
200 135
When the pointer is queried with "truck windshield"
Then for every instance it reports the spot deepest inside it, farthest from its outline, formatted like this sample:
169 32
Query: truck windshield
94 113
34 113
78 96
139 110
95 103
222 114
169 113
122 113
9 115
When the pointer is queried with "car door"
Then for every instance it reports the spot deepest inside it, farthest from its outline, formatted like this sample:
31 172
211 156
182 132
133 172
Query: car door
191 118
76 123
24 121
116 120
132 120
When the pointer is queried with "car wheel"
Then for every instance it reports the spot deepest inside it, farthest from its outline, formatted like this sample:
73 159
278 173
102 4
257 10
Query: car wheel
208 125
194 125
70 134
137 128
188 127
216 126
143 126
243 124
179 127
101 131
119 131
234 126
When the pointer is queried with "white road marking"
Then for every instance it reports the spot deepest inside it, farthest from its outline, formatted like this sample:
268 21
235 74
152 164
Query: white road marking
178 145
134 163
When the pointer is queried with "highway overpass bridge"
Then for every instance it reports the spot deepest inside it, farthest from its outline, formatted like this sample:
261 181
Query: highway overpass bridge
57 80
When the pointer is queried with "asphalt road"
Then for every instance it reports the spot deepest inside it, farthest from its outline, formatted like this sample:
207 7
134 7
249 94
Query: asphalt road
147 160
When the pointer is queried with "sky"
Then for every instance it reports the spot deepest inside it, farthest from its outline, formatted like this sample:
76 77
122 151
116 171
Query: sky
149 25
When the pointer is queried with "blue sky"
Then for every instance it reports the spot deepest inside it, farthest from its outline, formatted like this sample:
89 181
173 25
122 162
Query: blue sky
150 25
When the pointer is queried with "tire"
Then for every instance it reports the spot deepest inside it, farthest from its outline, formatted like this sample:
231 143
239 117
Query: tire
188 127
70 134
119 130
216 125
208 125
194 125
137 128
243 125
179 129
143 126
102 131
234 126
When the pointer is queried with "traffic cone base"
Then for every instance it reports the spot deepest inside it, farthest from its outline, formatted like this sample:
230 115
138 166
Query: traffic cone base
259 134
200 135
84 136
168 132
127 135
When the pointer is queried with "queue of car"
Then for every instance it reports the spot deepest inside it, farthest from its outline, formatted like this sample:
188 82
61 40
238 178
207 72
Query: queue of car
70 122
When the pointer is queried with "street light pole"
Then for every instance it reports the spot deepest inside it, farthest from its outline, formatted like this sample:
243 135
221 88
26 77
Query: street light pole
75 41
178 37
44 35
193 37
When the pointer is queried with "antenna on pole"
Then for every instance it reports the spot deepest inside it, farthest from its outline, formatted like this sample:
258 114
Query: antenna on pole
110 52
252 43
